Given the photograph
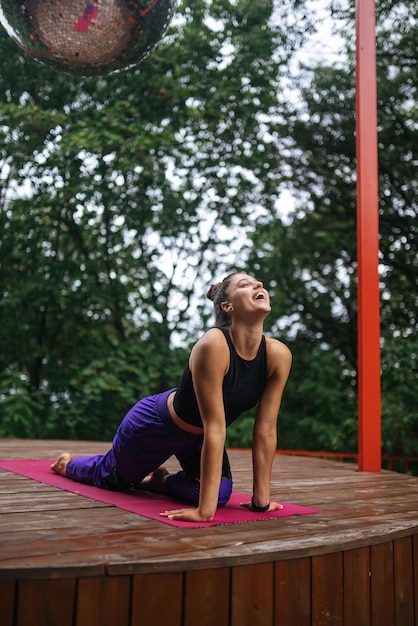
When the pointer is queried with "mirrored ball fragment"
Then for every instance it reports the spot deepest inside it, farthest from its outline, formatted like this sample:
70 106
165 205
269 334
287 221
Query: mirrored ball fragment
87 38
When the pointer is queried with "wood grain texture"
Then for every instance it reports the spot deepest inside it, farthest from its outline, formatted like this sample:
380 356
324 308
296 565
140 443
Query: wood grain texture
65 559
7 602
157 599
357 586
39 523
327 590
207 597
46 602
415 561
382 589
103 601
252 597
293 592
404 582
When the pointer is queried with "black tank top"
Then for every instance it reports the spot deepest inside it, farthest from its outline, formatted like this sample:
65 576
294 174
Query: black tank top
241 388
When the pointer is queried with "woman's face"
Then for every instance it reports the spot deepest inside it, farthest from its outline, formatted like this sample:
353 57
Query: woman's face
246 295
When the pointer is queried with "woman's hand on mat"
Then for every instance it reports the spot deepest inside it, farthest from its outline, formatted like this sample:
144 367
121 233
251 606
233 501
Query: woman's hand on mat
273 506
186 515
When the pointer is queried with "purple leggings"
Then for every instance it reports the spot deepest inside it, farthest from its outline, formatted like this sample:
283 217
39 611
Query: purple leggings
145 439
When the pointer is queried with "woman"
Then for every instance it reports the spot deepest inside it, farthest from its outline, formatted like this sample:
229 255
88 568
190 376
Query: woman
231 368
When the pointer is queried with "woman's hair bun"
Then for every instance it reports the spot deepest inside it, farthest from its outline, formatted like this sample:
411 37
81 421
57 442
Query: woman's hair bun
212 291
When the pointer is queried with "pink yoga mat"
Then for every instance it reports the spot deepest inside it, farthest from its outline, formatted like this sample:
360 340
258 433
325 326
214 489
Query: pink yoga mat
148 504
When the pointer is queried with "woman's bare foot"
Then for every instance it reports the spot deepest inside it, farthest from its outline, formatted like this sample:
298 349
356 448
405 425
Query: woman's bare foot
60 465
156 481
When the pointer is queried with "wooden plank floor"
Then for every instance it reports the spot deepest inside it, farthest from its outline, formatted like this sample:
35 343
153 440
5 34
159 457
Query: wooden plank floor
48 533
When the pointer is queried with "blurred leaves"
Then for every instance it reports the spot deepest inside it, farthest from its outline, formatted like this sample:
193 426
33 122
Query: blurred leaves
122 198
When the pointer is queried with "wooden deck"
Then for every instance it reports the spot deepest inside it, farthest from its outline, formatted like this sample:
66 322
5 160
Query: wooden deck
66 560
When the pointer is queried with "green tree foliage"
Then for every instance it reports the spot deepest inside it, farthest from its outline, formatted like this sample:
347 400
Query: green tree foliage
310 263
120 198
123 197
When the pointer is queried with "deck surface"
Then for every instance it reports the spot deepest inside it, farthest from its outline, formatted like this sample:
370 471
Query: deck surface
46 532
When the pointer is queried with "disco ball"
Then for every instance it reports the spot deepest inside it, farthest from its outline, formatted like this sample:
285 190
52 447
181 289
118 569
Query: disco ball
87 37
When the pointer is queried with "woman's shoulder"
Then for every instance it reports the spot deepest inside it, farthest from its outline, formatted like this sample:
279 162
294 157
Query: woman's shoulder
211 348
213 339
214 333
277 351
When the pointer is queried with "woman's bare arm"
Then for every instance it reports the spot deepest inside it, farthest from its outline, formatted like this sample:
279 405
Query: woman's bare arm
209 362
264 446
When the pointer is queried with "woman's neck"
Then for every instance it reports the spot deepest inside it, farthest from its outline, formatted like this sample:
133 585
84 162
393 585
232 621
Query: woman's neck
246 339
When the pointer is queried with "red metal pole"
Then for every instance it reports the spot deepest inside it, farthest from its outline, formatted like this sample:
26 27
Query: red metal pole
369 399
